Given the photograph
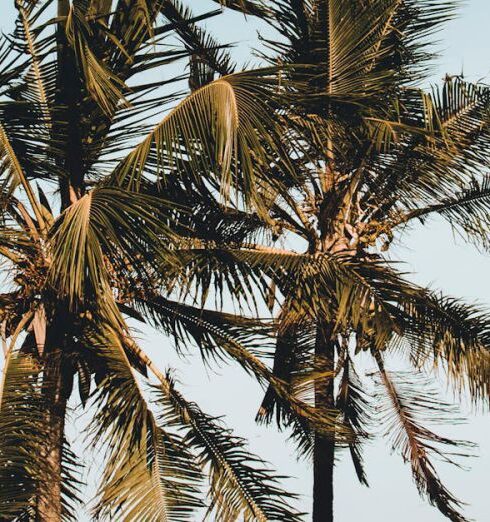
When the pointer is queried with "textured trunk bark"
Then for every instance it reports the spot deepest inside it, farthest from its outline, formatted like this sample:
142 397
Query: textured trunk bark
49 495
324 450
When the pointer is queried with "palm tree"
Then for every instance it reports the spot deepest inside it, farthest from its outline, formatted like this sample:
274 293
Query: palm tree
371 154
110 177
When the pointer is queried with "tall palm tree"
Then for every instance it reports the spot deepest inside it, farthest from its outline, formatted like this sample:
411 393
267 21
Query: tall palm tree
109 177
371 154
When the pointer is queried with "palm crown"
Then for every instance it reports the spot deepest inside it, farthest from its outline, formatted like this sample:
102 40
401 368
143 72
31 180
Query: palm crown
370 153
97 203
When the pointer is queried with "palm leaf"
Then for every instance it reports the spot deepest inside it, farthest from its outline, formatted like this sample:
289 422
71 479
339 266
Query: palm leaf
218 131
22 432
240 486
221 334
10 164
357 413
104 86
402 414
107 226
466 211
149 473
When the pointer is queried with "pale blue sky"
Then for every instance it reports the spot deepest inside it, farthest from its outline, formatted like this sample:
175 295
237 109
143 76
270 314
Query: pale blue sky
433 257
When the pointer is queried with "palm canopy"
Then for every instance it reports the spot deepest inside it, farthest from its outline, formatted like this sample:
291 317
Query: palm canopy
372 153
98 205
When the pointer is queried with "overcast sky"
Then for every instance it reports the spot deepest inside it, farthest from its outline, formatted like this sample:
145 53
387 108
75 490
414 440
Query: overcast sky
434 257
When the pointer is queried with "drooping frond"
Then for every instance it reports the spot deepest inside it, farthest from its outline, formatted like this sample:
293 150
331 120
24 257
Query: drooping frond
288 342
240 485
406 408
223 132
149 473
357 412
220 335
77 252
22 432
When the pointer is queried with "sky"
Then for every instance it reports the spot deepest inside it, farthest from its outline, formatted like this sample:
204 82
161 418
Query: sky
433 256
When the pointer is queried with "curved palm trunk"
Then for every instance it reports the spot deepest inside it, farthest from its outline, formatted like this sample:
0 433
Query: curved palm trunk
324 450
49 495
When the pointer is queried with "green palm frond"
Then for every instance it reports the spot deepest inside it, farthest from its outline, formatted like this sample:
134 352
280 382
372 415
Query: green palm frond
403 413
149 468
458 102
206 327
302 278
78 253
224 129
240 485
36 77
149 473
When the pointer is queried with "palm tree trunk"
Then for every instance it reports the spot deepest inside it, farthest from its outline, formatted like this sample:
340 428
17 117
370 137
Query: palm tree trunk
49 495
324 450
49 505
69 122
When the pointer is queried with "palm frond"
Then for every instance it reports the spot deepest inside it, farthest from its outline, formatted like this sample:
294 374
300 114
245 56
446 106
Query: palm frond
135 437
288 340
105 86
108 229
222 334
240 485
315 285
447 331
403 413
429 169
149 473
35 76
22 432
248 7
202 47
357 412
223 131
10 164
466 211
